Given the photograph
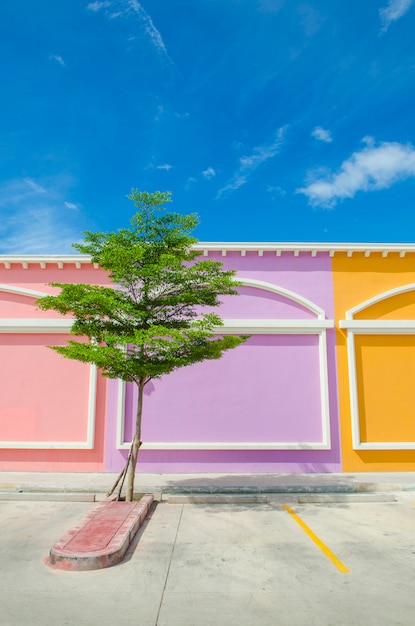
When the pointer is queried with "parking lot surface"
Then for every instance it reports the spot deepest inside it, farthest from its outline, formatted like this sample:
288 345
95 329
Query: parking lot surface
266 564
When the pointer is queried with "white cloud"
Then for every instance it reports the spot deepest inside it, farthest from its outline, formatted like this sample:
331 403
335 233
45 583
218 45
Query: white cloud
275 191
373 168
270 6
32 220
149 27
209 173
126 8
322 134
159 113
58 59
394 10
34 186
71 206
190 182
97 6
165 166
248 164
311 20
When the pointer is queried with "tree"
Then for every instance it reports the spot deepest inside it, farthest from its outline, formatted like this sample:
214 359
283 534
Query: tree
151 320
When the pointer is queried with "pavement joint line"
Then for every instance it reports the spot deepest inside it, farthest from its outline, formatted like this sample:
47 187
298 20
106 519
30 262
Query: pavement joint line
169 566
42 496
329 554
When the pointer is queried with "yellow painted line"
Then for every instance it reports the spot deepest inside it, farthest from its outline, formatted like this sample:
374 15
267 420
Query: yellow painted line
329 554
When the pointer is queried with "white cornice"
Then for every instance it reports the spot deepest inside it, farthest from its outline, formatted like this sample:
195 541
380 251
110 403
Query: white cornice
305 247
277 248
42 261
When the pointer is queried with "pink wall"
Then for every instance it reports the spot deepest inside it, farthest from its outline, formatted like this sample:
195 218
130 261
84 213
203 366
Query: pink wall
44 398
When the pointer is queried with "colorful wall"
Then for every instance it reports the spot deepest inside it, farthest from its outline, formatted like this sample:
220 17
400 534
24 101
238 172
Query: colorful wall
324 384
52 410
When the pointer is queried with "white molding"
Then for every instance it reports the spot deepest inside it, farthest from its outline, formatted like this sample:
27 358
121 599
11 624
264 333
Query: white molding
297 247
88 444
50 326
119 436
42 260
22 291
274 327
372 327
224 247
32 325
382 327
378 298
35 326
233 445
282 291
257 327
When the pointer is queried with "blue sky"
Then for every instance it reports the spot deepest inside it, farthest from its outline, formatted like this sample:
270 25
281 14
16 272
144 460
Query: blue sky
275 120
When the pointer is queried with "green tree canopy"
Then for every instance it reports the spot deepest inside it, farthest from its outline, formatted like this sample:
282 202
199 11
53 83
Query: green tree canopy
157 316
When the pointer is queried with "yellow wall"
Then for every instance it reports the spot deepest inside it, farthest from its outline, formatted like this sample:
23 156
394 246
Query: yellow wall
385 364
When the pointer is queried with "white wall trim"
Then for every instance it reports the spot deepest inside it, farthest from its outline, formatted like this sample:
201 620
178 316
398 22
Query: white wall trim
378 298
50 326
282 291
372 327
88 444
22 291
234 445
257 327
274 327
277 248
34 325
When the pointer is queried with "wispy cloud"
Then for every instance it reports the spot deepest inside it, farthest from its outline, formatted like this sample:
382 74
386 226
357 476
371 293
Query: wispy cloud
311 20
209 173
128 8
58 59
165 166
149 27
394 10
370 169
190 182
276 191
32 218
71 206
322 134
97 6
270 6
248 164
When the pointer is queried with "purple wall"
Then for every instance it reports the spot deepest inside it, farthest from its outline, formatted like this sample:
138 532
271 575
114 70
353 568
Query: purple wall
267 390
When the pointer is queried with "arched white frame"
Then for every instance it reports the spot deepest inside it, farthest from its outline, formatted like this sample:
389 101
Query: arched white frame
372 327
50 326
317 326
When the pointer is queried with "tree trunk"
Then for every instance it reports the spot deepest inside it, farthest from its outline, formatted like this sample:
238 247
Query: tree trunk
136 444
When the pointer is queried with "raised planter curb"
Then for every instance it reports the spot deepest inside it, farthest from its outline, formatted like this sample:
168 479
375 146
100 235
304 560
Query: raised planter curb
102 538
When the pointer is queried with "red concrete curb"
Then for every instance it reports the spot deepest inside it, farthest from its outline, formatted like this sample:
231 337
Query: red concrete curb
102 538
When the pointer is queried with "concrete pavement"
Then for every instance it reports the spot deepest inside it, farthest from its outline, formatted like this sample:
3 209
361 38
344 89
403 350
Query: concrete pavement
102 538
222 565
